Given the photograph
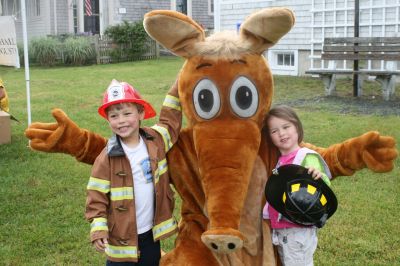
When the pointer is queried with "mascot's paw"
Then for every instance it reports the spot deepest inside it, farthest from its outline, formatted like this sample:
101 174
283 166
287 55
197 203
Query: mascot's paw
61 136
369 150
379 152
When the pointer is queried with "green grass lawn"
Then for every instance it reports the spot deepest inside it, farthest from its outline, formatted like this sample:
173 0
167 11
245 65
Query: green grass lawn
43 195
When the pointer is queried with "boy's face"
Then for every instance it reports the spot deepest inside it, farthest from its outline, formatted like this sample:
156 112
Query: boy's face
124 120
283 134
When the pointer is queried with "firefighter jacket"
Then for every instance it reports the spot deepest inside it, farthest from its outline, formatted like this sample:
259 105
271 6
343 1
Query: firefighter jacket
110 206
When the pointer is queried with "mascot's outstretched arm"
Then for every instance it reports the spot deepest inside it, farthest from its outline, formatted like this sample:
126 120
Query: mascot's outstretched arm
65 136
369 150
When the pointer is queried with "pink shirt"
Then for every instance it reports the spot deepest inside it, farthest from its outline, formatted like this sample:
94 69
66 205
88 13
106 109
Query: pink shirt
277 220
288 158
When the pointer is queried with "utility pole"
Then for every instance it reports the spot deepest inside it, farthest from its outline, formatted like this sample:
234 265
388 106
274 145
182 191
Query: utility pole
356 34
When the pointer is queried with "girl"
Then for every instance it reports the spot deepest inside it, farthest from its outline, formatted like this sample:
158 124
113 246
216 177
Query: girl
296 244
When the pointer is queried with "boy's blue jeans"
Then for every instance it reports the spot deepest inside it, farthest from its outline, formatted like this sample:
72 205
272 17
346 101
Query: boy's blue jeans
150 252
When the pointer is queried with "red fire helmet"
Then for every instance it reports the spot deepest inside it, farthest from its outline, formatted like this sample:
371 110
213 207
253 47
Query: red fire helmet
122 92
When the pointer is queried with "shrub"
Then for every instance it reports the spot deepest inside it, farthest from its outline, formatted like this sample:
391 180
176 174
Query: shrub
44 50
130 39
78 51
21 54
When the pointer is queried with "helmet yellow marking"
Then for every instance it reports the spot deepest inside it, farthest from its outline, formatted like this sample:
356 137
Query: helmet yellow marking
284 197
323 200
295 187
311 189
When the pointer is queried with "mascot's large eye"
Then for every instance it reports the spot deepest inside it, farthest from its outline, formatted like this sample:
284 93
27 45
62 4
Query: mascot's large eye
244 97
206 99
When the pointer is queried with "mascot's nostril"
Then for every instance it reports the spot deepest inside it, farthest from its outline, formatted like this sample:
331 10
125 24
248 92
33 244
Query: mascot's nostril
226 243
231 246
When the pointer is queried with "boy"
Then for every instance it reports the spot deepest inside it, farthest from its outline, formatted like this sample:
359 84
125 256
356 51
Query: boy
129 200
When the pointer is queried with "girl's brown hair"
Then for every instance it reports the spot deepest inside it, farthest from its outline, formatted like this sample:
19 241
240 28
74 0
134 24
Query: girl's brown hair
286 113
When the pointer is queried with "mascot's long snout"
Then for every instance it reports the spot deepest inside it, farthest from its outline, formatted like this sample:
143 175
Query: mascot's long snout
226 154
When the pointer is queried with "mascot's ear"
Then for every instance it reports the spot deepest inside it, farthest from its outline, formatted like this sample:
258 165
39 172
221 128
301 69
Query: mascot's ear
175 31
264 28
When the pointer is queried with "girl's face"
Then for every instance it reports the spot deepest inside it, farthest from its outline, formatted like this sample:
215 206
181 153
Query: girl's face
283 134
124 120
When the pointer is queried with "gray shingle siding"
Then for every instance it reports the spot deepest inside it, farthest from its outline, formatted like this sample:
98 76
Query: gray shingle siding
35 26
135 10
62 17
201 15
233 13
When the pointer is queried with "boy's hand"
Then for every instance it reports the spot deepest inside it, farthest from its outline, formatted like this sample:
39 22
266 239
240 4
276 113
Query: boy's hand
100 244
316 174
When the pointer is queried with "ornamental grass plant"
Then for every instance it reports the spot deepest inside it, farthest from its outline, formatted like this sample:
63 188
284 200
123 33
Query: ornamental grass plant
45 50
78 51
42 195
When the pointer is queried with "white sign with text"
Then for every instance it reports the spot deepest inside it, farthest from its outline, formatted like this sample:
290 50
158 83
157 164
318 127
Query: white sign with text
8 42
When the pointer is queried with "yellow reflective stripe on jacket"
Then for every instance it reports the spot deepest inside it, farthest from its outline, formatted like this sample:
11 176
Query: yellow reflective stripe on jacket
162 168
121 193
172 102
156 176
121 252
98 184
164 228
99 224
165 135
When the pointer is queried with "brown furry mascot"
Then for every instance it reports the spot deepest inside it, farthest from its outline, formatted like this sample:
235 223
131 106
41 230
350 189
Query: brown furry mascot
221 161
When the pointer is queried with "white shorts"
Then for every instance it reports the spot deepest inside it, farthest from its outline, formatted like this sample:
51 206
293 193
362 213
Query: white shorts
296 246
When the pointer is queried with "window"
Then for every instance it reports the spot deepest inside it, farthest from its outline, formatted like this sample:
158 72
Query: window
75 15
92 16
283 62
181 6
13 8
211 7
33 7
10 8
285 59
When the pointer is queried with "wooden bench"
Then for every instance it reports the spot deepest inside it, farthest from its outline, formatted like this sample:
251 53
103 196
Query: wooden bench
360 48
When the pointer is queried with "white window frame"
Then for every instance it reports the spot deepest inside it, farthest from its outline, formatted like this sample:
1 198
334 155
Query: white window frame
283 69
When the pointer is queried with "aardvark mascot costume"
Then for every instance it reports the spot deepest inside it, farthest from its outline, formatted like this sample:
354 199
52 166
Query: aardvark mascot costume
222 160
